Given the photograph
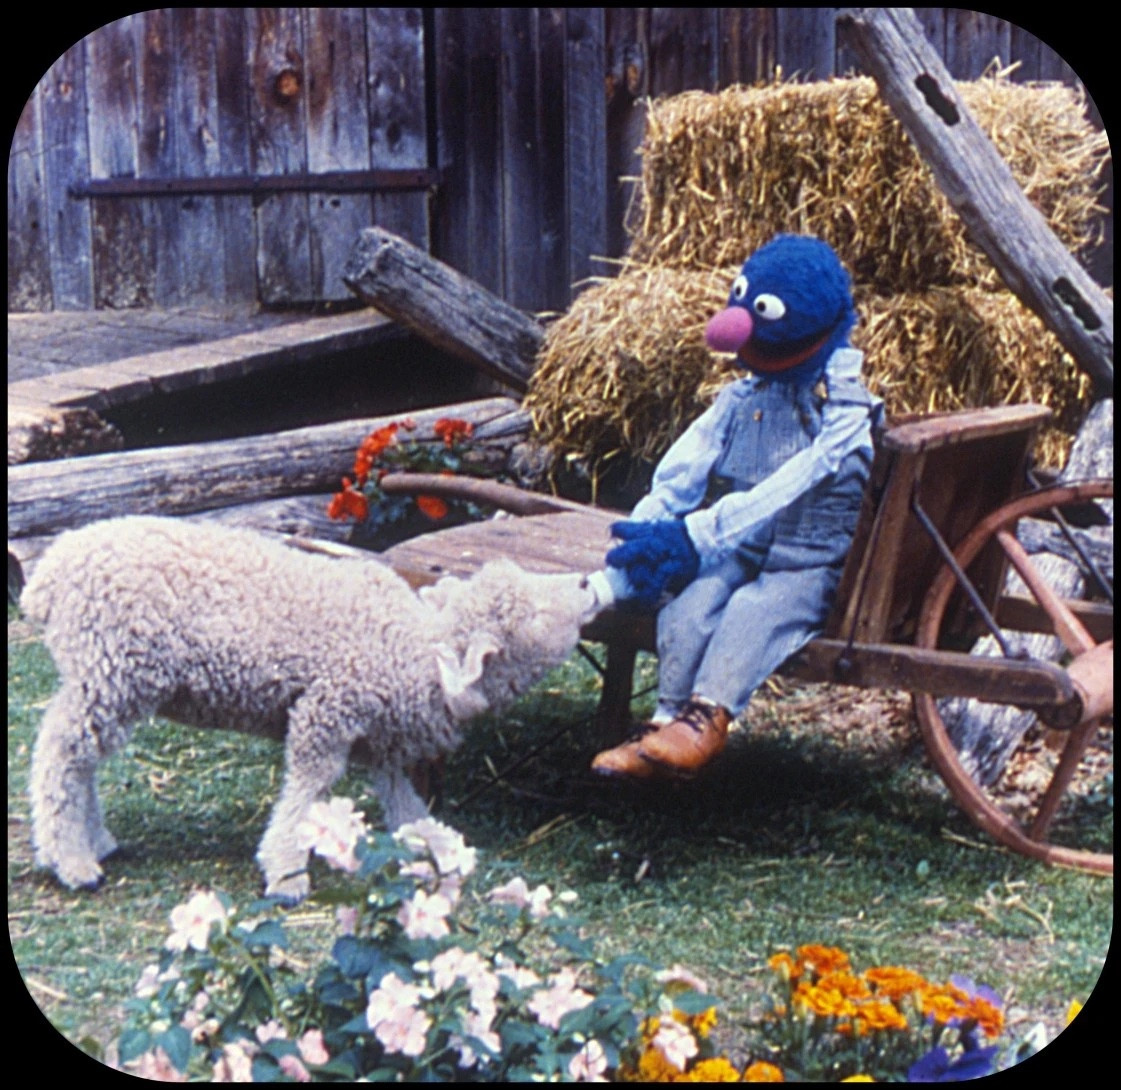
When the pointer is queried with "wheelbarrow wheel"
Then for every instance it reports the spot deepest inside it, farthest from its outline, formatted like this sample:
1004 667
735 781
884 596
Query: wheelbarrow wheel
1025 819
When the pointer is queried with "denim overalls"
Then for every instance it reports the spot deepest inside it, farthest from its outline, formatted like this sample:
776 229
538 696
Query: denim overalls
766 583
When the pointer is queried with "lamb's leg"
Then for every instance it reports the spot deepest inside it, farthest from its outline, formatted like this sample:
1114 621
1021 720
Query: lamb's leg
315 755
398 796
67 828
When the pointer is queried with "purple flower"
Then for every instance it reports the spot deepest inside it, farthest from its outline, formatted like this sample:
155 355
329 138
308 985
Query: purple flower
936 1065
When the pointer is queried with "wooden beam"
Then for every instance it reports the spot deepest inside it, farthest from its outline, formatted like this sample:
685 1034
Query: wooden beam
979 185
444 307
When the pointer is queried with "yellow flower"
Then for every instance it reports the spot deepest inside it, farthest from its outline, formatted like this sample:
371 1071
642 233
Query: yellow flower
702 1023
654 1067
1073 1011
826 1002
761 1071
858 1078
718 1069
878 1014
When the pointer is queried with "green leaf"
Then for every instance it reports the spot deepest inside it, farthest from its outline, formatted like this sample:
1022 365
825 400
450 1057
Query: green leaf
133 1043
176 1042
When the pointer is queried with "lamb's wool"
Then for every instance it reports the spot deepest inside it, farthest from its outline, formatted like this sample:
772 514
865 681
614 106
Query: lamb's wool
218 627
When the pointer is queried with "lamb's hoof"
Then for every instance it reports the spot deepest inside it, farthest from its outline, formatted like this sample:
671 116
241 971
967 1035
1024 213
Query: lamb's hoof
80 876
291 889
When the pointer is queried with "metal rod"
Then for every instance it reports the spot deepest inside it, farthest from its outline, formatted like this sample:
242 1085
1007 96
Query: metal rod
334 181
1068 532
961 577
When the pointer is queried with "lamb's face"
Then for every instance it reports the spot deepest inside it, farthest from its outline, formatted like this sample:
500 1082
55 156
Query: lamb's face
509 627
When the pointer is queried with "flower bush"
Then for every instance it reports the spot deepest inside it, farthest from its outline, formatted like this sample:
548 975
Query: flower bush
382 451
826 1022
427 979
410 990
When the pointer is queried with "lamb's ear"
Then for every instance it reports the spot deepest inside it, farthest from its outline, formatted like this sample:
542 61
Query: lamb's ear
460 678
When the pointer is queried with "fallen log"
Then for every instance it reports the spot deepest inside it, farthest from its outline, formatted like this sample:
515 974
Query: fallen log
45 497
979 185
444 307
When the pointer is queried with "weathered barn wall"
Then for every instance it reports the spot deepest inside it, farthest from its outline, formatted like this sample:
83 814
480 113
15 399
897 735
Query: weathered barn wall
531 116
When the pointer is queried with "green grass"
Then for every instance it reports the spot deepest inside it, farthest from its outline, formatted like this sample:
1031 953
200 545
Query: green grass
822 823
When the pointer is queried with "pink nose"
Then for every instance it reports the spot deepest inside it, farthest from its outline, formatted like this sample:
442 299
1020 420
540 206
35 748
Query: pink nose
729 330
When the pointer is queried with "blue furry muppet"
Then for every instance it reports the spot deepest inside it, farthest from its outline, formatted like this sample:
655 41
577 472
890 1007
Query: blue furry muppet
740 541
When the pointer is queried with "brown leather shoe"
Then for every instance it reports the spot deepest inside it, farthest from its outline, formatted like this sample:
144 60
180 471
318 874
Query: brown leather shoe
690 741
625 761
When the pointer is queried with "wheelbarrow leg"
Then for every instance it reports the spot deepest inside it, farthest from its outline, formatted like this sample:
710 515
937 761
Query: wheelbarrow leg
613 716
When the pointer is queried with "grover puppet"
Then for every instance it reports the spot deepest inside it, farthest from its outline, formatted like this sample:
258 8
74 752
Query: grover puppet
751 512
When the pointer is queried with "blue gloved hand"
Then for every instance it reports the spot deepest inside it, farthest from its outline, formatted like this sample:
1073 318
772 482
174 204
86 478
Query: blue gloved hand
656 557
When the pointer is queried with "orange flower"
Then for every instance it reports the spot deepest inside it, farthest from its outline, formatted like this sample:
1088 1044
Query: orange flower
716 1069
852 987
348 503
432 506
826 1002
892 982
786 967
371 450
452 430
989 1017
822 959
761 1071
942 1004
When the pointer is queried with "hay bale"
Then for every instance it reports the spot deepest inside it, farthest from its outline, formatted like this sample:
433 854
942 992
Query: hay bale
961 348
625 371
723 172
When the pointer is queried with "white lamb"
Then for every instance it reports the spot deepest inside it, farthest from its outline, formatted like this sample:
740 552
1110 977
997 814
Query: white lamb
218 627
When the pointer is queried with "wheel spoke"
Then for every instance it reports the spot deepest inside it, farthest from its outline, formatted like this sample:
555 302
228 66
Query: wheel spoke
1076 743
1068 627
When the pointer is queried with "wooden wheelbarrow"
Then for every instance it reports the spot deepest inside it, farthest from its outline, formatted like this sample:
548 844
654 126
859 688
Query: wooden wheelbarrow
926 576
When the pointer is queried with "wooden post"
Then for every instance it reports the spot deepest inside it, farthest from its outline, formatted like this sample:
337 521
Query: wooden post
45 497
1000 219
442 306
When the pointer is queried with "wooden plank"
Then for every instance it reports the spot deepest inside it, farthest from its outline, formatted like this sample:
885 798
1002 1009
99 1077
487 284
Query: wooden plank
278 145
29 273
747 45
980 186
626 38
973 41
156 124
447 309
521 212
195 130
122 256
450 202
551 143
484 141
230 124
683 52
66 156
946 673
45 497
337 138
398 115
806 43
585 128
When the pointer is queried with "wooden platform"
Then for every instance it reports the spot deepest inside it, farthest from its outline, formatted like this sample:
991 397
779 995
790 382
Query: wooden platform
103 358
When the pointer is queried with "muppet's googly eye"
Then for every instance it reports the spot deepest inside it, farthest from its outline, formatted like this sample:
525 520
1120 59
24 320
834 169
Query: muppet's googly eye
769 306
739 289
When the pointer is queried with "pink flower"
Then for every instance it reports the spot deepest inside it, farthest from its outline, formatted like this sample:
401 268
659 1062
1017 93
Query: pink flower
346 916
155 1065
271 1030
151 978
446 846
406 1031
589 1064
391 996
292 1067
312 1048
678 977
425 916
476 1025
553 1003
332 830
236 1063
517 893
675 1042
191 922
